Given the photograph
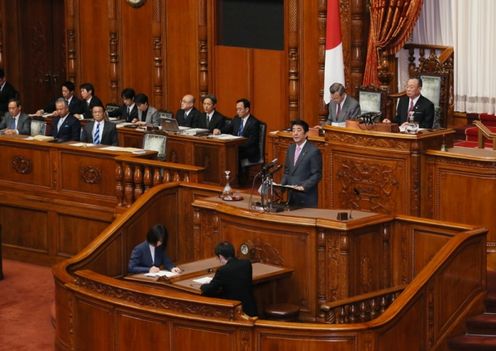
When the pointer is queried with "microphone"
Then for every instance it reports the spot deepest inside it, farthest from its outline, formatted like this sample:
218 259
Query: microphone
269 165
275 169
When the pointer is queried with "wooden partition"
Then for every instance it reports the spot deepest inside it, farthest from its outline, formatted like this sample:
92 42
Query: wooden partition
56 198
443 264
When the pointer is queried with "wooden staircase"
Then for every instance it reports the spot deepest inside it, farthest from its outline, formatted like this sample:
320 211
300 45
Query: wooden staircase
481 329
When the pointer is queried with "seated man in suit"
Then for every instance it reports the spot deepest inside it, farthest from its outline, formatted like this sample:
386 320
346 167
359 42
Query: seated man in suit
76 106
128 110
211 119
415 105
100 130
234 280
146 114
65 126
7 92
302 168
188 115
246 125
89 100
15 121
342 106
150 255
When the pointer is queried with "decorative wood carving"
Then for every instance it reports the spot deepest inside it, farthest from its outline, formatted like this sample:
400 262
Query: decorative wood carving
138 182
71 55
114 59
264 252
119 188
157 54
293 61
22 165
145 300
367 141
375 183
90 174
203 47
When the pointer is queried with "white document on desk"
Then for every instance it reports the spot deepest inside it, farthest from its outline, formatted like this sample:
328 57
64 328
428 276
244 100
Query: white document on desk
203 280
225 136
167 274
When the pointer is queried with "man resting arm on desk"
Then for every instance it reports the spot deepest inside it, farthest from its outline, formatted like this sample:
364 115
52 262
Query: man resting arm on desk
233 281
148 256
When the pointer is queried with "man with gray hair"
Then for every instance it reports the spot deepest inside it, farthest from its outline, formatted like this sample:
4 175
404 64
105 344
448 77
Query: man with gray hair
342 106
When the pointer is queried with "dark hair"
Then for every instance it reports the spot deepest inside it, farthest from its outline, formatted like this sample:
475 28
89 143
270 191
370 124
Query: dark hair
246 102
128 93
98 105
141 99
419 80
224 248
17 101
69 85
211 97
337 87
300 122
88 87
157 233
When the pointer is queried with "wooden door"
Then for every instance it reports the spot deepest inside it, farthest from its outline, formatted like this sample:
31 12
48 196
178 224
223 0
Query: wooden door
34 35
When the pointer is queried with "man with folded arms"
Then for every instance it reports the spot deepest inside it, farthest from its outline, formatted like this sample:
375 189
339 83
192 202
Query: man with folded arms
15 121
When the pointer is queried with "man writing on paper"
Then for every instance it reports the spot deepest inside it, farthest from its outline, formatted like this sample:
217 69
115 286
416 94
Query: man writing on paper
233 281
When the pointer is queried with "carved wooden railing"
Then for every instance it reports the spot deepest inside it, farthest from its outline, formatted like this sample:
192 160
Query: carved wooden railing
484 132
444 54
360 308
135 176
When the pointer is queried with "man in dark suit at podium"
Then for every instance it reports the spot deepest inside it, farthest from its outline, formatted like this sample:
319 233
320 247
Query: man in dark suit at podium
65 127
188 115
415 104
211 119
302 168
233 281
100 130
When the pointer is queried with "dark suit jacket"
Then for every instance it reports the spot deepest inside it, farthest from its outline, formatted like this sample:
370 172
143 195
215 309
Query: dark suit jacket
70 129
250 149
192 120
76 106
306 172
233 281
8 92
350 109
141 259
423 111
95 101
122 112
109 134
23 125
216 122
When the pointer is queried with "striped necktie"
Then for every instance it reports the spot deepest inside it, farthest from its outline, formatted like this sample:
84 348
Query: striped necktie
96 135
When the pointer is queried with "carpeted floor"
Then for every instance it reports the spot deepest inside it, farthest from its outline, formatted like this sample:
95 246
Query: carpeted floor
26 295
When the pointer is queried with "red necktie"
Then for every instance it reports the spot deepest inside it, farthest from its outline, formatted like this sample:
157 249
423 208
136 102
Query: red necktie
339 110
410 109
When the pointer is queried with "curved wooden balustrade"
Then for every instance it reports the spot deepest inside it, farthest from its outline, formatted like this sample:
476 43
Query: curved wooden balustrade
134 177
96 310
361 308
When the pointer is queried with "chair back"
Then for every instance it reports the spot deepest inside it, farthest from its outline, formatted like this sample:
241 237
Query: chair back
111 107
38 127
261 145
156 142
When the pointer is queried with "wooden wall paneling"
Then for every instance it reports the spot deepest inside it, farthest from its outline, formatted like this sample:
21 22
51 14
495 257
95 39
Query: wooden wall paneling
198 337
204 34
12 41
274 340
140 332
93 43
95 322
359 24
71 40
113 52
182 51
293 49
137 46
2 34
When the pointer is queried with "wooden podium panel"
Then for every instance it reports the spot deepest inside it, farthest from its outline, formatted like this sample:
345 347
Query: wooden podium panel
376 171
310 241
216 155
461 186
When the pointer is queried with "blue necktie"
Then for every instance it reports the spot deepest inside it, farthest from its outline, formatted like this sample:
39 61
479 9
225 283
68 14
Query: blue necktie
240 131
96 135
12 124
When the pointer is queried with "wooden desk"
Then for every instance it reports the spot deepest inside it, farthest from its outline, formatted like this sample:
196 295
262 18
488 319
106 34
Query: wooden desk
262 273
215 155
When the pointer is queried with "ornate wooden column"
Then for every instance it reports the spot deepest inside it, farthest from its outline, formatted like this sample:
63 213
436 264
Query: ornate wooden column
203 47
71 40
113 52
157 54
293 61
